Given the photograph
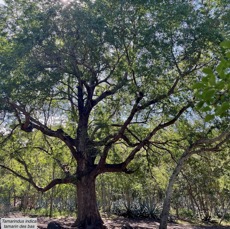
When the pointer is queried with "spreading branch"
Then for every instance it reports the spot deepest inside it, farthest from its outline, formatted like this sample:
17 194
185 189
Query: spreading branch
120 133
101 167
146 140
32 123
66 180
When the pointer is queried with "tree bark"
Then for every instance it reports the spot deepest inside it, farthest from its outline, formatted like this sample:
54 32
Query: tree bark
88 215
168 194
166 205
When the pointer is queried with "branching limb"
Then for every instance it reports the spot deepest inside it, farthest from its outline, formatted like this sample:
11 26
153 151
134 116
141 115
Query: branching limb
66 180
127 140
120 133
146 140
31 123
224 135
160 97
109 92
27 126
102 166
9 135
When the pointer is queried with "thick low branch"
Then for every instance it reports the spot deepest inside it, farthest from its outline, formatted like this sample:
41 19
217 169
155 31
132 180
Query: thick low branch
66 180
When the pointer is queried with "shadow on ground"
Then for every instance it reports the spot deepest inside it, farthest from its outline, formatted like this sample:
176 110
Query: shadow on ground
114 223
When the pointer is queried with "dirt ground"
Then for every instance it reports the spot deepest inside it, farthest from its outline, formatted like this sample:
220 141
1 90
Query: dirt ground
115 223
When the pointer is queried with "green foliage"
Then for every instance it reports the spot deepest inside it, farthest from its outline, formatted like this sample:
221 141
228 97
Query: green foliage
213 91
103 81
186 214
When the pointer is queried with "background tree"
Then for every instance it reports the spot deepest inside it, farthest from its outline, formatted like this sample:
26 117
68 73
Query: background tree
197 147
93 77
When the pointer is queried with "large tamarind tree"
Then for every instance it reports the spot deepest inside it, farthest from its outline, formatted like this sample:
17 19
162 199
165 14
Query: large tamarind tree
93 75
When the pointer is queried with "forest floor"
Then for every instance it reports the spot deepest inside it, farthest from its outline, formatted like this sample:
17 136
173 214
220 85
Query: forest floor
116 223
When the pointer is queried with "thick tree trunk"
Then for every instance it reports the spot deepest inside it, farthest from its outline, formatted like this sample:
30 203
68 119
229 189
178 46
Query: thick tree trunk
88 215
